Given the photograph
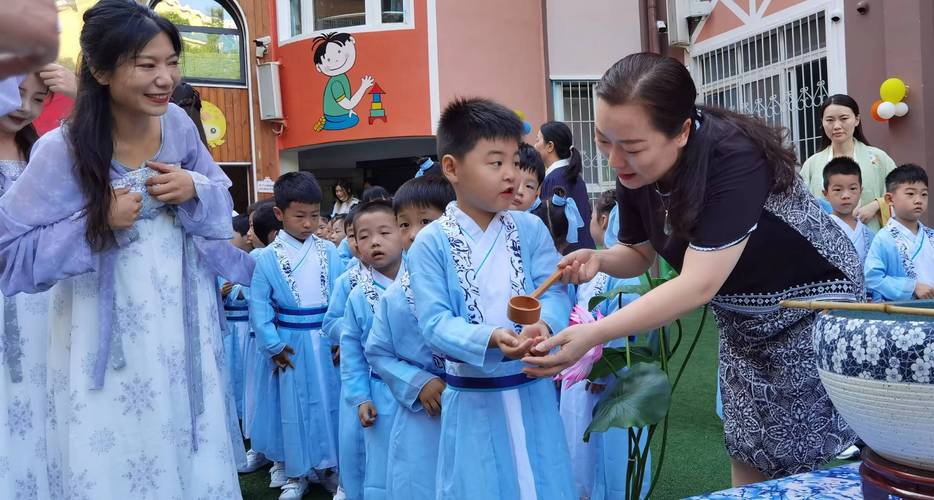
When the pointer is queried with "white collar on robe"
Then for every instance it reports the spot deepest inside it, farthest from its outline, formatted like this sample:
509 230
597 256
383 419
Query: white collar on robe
850 231
906 233
556 165
470 227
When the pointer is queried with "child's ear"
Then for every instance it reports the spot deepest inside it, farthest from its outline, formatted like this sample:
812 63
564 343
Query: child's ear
449 168
278 213
604 221
888 199
824 192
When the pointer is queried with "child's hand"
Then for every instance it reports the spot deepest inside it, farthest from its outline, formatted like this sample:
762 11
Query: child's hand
923 291
537 332
174 186
124 208
512 345
282 360
367 414
430 396
225 290
595 388
336 354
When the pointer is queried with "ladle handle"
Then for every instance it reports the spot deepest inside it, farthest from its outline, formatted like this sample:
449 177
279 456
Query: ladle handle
555 276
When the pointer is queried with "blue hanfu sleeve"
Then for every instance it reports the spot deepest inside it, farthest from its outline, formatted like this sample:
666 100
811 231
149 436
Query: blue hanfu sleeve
262 314
881 269
43 222
556 303
355 371
444 329
404 379
337 305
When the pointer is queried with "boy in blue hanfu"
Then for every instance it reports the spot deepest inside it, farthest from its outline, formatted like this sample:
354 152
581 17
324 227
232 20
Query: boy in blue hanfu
500 430
350 435
397 352
380 245
843 185
900 264
296 407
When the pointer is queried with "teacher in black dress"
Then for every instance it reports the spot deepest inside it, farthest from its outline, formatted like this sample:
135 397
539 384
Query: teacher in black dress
715 193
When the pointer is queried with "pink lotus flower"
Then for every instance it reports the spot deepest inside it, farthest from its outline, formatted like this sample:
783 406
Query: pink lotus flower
581 369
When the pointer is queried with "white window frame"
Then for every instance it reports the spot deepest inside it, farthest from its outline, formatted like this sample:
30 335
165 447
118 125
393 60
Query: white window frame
374 23
834 77
605 177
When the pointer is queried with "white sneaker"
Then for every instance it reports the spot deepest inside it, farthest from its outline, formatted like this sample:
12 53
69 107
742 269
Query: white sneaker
277 477
254 461
848 453
329 481
340 495
294 489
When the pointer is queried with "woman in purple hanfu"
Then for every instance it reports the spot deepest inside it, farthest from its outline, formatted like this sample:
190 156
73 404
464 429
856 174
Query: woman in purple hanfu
136 404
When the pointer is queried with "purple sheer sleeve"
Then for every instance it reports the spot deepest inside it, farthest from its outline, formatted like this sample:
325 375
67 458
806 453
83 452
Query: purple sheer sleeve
42 222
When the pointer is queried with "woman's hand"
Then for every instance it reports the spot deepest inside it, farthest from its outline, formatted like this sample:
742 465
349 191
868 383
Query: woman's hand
283 360
574 342
175 186
580 266
59 79
867 212
124 208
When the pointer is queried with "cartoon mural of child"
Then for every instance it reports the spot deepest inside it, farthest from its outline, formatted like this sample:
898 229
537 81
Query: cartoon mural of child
335 54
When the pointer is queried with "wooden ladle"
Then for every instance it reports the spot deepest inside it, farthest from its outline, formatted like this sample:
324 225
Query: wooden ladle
527 309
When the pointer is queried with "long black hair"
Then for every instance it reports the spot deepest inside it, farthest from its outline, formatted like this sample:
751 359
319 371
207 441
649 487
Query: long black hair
839 100
114 31
559 134
25 138
664 88
189 99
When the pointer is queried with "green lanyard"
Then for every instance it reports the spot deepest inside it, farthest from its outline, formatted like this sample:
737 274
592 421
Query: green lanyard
490 250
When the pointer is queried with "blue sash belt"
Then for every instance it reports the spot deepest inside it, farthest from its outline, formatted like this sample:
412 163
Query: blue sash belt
301 318
488 384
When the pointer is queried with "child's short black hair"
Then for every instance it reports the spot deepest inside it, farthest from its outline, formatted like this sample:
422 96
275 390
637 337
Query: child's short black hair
296 187
908 173
465 122
427 191
265 222
371 207
531 161
320 45
554 219
841 165
325 218
376 193
605 202
241 224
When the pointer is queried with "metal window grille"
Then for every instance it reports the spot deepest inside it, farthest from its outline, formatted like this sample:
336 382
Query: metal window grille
574 105
779 75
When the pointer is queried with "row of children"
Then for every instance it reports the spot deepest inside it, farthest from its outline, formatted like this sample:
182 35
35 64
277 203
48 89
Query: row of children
899 259
397 365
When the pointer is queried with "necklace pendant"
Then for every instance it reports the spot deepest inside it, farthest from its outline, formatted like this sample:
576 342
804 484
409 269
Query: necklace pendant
667 227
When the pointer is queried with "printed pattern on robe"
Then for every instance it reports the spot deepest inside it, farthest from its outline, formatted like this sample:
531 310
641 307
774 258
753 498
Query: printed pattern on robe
10 170
466 275
901 242
322 249
600 281
370 292
286 267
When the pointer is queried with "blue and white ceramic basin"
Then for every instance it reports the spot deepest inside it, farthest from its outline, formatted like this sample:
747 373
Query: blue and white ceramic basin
878 370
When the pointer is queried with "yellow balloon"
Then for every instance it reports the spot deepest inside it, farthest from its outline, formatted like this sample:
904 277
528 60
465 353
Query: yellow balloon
520 114
893 90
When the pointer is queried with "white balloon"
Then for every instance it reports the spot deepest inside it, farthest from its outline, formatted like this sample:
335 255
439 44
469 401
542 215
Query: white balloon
901 109
886 110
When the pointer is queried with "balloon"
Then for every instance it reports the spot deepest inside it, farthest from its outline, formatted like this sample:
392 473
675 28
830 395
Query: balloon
520 114
893 90
901 109
526 128
886 110
874 111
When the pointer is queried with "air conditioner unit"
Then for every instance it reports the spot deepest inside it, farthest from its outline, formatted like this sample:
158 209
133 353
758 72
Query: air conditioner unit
270 93
679 11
